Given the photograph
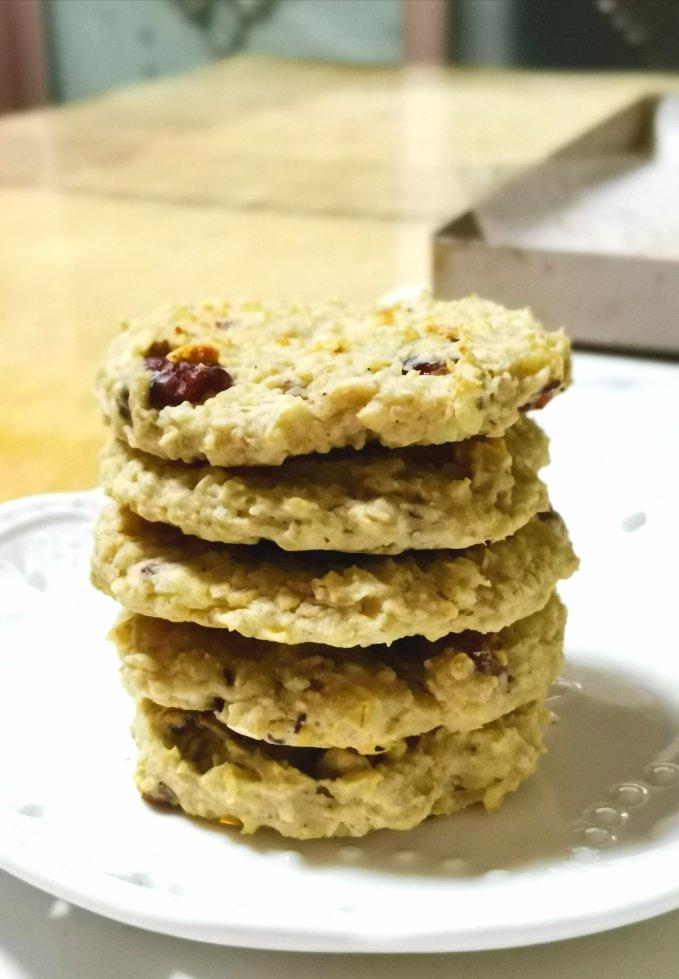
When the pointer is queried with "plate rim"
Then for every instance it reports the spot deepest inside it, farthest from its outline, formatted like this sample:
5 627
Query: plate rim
129 908
163 913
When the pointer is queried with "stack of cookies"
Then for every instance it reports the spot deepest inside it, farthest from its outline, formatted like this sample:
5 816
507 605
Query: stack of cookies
336 559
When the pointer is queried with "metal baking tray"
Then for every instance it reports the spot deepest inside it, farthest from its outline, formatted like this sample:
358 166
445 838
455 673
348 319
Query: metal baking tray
589 239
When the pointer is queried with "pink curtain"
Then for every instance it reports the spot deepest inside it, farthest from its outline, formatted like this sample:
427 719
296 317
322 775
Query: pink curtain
23 73
425 26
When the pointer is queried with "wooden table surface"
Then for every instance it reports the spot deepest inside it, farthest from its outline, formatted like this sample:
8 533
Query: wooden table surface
250 177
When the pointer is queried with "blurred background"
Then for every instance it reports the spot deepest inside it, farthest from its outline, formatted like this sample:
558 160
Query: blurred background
157 150
61 50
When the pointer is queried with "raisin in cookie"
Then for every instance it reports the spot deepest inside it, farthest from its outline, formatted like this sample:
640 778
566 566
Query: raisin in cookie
325 597
320 697
190 760
252 383
380 501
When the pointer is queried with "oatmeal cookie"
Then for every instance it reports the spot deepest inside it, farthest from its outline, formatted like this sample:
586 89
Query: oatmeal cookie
379 501
320 697
252 383
192 761
325 597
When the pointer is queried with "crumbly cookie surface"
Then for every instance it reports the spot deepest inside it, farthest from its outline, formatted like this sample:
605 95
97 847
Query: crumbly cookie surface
252 383
328 598
315 696
192 761
380 501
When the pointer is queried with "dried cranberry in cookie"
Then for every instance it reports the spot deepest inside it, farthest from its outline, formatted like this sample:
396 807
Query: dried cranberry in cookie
175 382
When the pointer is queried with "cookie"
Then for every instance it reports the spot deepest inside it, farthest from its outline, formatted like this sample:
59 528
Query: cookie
316 696
325 597
380 501
190 760
252 383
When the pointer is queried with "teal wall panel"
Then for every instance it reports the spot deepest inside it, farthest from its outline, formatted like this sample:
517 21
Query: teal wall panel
96 45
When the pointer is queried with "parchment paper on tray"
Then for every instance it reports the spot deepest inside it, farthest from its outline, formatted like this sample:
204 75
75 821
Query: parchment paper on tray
589 238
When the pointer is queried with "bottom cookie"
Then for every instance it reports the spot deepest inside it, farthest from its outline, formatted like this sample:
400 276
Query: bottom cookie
190 760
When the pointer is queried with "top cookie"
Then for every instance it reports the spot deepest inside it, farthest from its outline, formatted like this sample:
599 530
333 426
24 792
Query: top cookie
252 383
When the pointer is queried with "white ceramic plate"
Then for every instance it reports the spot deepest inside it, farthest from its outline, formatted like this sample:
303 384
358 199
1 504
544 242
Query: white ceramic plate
590 843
